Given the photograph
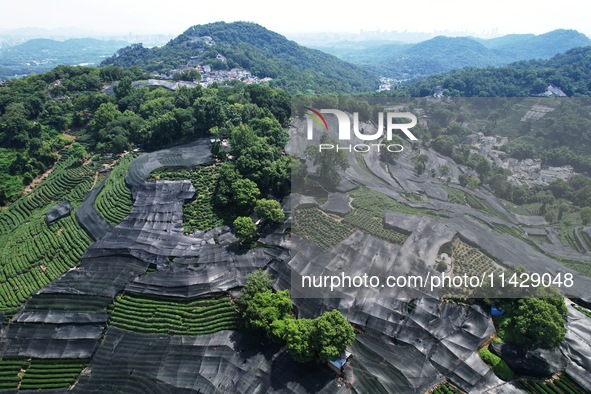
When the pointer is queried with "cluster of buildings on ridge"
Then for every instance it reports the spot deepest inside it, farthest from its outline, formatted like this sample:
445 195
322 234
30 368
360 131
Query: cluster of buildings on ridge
208 74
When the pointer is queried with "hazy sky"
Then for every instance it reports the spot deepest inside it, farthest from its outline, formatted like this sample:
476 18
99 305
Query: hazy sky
174 16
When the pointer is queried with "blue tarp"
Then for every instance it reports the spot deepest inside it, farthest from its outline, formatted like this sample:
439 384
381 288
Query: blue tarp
494 311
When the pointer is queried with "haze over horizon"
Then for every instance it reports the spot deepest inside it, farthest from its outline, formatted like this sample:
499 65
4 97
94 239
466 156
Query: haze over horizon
455 17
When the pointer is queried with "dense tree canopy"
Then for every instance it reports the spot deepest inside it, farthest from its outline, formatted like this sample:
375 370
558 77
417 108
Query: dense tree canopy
569 71
36 110
263 310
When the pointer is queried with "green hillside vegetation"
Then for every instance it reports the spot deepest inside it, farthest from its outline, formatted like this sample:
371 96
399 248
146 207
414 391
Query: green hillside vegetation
514 47
114 202
39 374
252 47
442 54
199 213
562 202
173 316
32 252
364 52
35 112
569 71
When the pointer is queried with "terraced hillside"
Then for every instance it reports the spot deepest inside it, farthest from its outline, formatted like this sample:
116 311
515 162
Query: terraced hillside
199 213
149 304
114 201
173 316
32 252
39 374
368 209
561 385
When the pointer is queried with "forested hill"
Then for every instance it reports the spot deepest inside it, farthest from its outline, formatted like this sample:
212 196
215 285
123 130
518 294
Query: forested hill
256 49
515 47
442 54
570 72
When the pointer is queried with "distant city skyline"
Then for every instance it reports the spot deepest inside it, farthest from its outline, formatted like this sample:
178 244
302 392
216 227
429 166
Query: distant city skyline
455 17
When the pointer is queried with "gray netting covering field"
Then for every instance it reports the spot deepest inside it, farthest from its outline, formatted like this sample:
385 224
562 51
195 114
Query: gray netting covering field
407 349
58 211
482 221
410 342
216 269
188 156
89 218
151 233
54 323
77 340
224 362
576 349
338 203
67 325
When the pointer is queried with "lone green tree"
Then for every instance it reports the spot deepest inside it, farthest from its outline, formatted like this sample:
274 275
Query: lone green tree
443 144
585 215
267 308
331 335
444 171
233 192
246 193
256 282
245 230
421 163
262 309
328 161
124 88
269 210
536 321
540 322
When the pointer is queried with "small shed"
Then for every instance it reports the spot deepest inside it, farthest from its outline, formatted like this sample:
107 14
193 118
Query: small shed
338 364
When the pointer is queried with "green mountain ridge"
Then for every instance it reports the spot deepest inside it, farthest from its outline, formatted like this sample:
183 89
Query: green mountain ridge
441 53
570 71
265 53
503 41
542 46
46 45
448 53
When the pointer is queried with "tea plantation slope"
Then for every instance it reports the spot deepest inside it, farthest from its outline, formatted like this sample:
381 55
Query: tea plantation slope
114 202
173 316
33 253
